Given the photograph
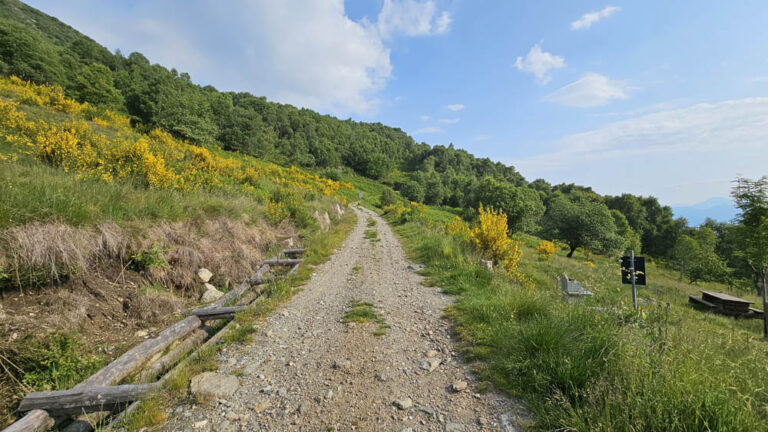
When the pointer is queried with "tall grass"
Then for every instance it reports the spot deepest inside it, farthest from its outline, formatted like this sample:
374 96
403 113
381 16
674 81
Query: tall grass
609 369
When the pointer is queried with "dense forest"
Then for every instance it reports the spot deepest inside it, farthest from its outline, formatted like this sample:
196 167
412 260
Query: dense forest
41 49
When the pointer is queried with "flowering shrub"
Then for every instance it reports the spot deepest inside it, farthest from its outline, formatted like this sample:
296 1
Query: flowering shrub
156 160
276 211
406 213
545 249
490 235
458 228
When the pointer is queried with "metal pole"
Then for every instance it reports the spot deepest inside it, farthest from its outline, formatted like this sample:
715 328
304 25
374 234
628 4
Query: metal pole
632 269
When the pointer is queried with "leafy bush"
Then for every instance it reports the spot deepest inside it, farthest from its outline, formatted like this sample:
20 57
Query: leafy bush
148 258
55 363
388 197
331 174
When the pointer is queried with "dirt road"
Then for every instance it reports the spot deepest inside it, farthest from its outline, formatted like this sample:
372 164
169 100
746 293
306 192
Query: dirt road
307 370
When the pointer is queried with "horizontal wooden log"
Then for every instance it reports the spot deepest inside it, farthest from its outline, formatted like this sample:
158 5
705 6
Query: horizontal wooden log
294 251
283 261
35 421
164 363
138 355
207 314
85 399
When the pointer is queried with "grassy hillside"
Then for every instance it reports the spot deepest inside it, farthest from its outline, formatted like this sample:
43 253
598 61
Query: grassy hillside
599 366
103 226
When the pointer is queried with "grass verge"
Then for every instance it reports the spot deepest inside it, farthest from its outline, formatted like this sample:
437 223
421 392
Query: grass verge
580 368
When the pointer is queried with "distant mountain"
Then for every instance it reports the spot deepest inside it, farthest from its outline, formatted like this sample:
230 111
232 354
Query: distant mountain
719 209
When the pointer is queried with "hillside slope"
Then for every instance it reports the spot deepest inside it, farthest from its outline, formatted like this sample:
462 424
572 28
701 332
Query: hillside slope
103 228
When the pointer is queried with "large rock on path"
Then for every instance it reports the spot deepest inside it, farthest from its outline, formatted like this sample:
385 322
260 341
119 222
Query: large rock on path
214 384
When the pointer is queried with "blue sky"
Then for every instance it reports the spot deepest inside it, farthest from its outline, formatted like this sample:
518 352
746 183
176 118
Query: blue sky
662 98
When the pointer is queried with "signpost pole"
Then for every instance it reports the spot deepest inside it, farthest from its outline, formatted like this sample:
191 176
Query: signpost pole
632 273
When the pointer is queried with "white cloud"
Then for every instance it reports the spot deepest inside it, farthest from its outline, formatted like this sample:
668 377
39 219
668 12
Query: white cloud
682 156
427 130
455 107
307 53
590 90
449 120
539 63
443 23
590 18
424 118
411 18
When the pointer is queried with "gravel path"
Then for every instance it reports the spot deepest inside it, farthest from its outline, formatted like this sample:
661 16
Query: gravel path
306 370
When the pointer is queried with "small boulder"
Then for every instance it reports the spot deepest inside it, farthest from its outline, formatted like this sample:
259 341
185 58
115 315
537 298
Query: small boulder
430 364
210 294
488 264
214 384
403 404
459 386
205 275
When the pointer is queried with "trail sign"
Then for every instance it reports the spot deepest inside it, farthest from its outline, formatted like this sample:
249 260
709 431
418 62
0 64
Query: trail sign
626 270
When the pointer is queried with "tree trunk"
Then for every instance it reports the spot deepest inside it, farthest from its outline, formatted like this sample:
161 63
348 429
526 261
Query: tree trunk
765 303
573 249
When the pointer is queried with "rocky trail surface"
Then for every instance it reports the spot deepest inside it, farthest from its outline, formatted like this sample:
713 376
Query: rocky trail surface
308 370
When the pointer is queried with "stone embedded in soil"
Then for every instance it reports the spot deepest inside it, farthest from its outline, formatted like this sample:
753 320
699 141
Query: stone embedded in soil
403 404
210 294
214 384
430 364
341 364
259 407
459 386
205 275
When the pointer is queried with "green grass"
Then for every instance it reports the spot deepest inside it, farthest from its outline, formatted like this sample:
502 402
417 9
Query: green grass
372 235
371 222
31 191
675 368
365 312
360 312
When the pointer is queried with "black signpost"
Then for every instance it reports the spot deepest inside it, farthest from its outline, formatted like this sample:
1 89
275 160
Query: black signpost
633 273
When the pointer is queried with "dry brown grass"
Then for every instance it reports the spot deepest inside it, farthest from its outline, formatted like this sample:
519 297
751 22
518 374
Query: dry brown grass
43 252
39 254
151 306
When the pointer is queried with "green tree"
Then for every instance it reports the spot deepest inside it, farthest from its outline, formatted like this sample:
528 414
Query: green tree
581 222
631 238
522 205
94 84
26 54
696 256
751 197
413 191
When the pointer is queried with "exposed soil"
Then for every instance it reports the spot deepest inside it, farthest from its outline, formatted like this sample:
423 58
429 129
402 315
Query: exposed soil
308 370
111 306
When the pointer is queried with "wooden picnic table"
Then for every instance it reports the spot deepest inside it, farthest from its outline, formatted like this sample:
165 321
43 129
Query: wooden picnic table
726 304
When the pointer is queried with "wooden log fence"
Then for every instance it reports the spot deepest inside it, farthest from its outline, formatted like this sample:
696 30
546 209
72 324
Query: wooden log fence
100 393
